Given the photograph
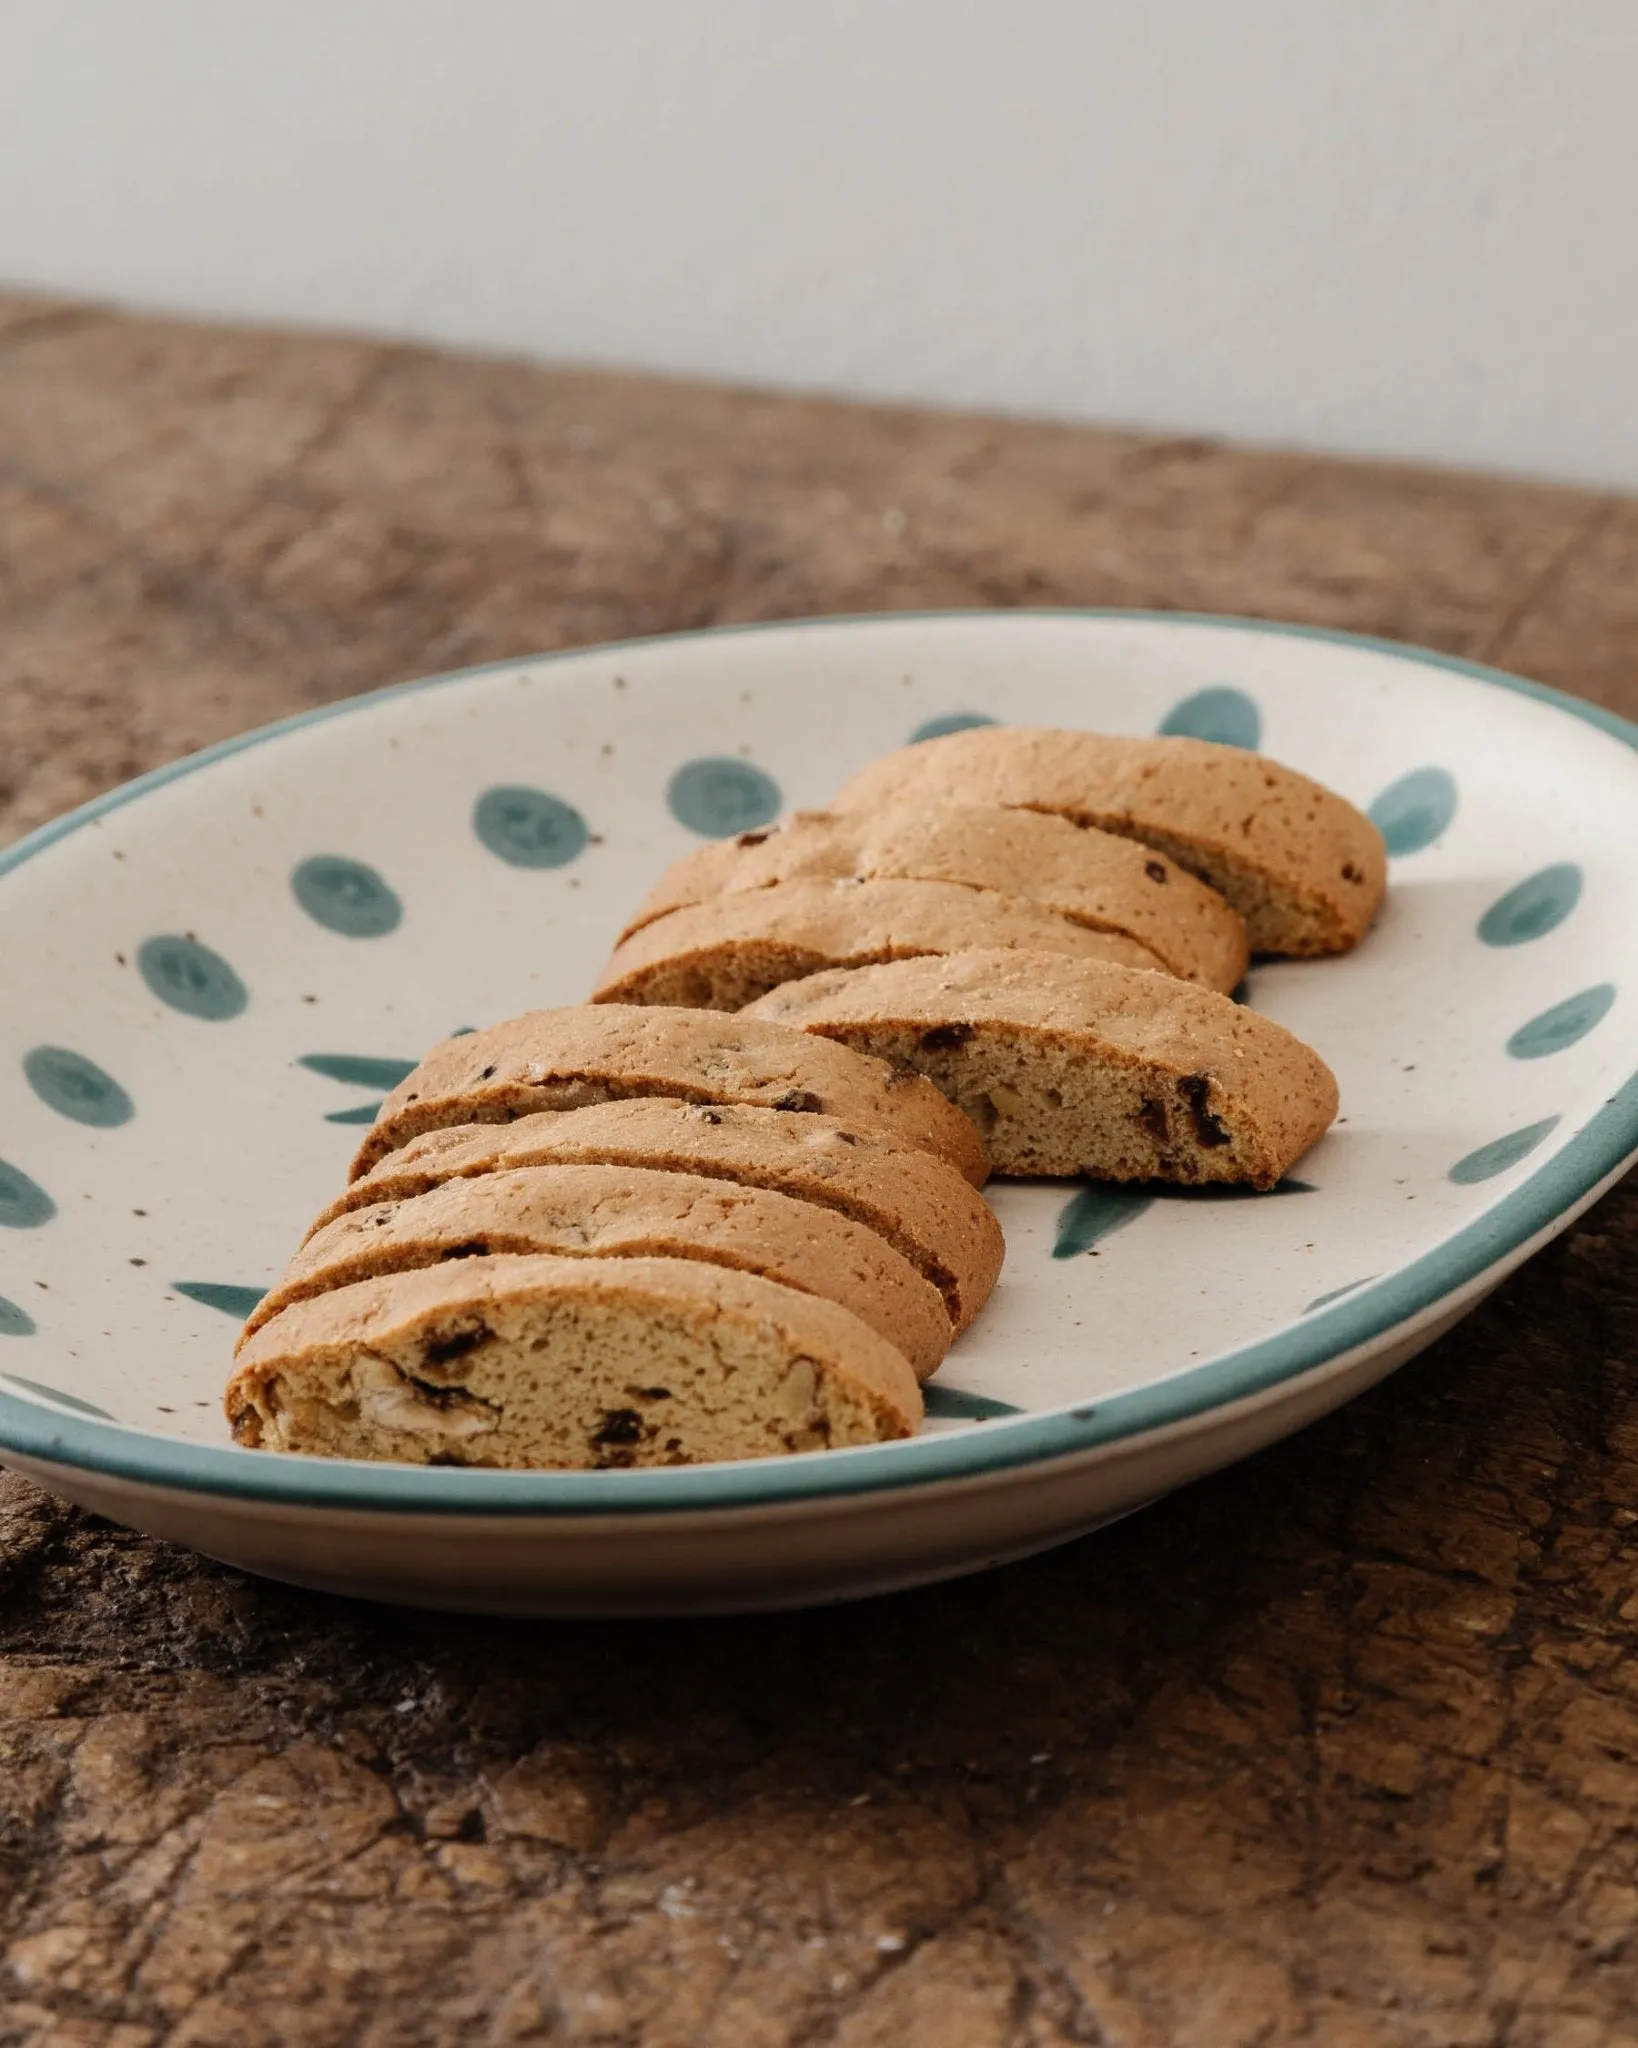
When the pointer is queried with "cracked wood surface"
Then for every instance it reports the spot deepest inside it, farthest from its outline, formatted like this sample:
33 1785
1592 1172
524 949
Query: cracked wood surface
1339 1747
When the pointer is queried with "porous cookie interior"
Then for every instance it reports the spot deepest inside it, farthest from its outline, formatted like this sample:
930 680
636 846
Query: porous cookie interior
1280 916
567 1383
1047 1105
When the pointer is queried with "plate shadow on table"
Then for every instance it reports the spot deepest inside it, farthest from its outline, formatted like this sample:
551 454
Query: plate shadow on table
1287 1727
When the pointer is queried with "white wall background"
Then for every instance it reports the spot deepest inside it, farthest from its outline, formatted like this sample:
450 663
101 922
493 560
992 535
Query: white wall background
1403 227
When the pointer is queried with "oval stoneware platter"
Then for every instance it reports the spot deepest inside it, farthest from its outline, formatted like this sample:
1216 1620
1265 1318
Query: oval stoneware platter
211 977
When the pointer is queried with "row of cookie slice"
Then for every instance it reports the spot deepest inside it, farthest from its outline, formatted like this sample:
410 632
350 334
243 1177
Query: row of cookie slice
853 888
542 1207
1023 1062
1048 925
796 1225
1076 1067
1304 868
1071 1065
1171 854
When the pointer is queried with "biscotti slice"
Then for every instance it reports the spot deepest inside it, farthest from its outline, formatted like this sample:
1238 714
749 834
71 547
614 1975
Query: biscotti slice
723 955
1093 878
562 1363
1303 868
607 1212
919 1203
561 1059
1074 1067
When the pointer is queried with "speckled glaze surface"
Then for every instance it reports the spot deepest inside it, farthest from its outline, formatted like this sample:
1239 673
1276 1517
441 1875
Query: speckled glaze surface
210 979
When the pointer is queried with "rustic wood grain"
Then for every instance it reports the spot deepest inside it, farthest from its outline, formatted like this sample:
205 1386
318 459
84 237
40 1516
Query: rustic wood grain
1339 1747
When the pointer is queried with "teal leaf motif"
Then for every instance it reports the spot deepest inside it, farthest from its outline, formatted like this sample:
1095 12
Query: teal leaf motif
1412 812
950 721
718 797
1336 1294
366 1113
42 1392
1095 1213
356 1069
1226 716
1100 1209
950 1404
232 1301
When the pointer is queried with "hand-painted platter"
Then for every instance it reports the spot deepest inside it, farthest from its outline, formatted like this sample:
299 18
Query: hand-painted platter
211 976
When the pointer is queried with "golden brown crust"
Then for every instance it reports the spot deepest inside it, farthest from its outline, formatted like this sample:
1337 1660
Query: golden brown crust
1093 878
1304 868
535 1361
562 1059
723 955
1076 1067
923 1207
627 1212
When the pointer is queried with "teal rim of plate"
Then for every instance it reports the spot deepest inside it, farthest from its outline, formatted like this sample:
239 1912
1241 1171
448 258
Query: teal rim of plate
1590 1158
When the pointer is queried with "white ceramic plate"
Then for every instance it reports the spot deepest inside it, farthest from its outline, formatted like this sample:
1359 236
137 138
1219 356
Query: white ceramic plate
210 977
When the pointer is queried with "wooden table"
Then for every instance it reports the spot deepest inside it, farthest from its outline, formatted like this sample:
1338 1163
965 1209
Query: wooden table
1340 1747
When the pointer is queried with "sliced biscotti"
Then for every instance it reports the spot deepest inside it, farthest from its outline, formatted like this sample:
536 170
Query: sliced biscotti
630 1212
1093 878
562 1059
1075 1067
559 1363
918 1202
1303 868
723 955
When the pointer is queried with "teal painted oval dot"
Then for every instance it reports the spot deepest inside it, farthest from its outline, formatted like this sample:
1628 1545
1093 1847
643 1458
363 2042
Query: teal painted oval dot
718 797
15 1321
191 978
76 1087
950 721
1223 715
1501 1153
347 897
24 1204
1412 812
1563 1024
1533 907
528 828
